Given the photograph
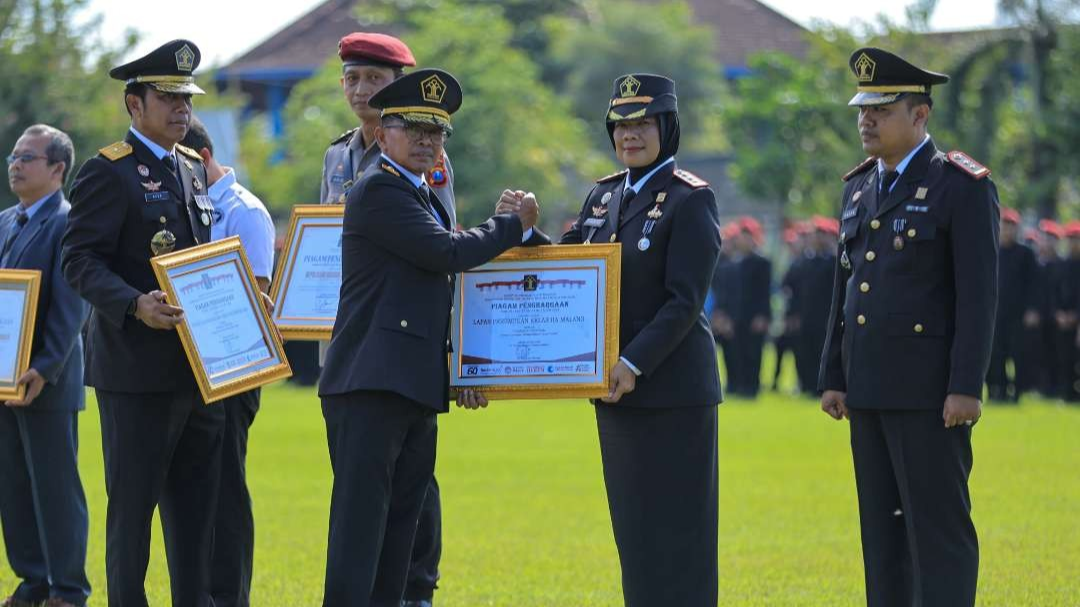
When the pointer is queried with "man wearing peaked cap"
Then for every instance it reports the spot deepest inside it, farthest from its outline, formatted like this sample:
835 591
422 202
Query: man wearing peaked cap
370 61
400 252
139 197
909 336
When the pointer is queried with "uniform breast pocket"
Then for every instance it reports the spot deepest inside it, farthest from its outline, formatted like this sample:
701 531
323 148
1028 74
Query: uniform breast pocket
924 237
152 212
913 247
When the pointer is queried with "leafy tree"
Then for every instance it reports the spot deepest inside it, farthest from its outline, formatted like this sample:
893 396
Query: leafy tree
56 72
616 37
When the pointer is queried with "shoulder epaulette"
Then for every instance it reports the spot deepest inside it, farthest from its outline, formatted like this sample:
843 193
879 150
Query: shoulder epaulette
870 161
386 166
612 177
690 179
967 164
116 151
190 153
344 136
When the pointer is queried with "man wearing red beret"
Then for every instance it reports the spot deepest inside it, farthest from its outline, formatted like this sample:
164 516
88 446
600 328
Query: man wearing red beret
1017 311
371 61
751 310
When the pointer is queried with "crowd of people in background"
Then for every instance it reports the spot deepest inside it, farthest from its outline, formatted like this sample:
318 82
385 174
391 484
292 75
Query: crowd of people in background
1036 337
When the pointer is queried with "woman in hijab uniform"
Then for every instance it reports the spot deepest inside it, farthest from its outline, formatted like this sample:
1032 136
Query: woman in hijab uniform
657 427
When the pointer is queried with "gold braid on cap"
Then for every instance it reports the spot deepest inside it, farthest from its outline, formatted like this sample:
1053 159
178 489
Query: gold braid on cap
153 79
899 88
625 100
417 109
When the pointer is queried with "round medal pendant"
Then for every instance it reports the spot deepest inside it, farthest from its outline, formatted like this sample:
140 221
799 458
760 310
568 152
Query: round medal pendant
162 242
898 243
205 219
643 244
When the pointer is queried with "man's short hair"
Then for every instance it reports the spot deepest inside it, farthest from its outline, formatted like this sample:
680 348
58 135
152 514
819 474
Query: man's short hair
135 88
59 149
197 137
915 99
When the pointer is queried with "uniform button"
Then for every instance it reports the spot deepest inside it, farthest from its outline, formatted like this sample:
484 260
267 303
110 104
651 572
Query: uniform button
865 287
911 233
860 319
875 224
918 328
871 256
404 323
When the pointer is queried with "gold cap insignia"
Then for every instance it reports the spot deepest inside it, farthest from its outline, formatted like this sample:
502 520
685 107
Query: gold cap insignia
864 67
629 86
185 59
433 89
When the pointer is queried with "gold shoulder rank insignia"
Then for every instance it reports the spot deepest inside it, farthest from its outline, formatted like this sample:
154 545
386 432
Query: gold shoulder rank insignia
344 136
612 177
690 179
389 169
186 151
859 169
967 164
116 151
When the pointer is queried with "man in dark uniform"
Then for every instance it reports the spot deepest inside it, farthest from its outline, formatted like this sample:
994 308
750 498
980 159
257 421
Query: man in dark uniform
725 290
141 197
909 336
752 310
1017 309
815 297
787 340
1050 236
371 61
1066 306
399 252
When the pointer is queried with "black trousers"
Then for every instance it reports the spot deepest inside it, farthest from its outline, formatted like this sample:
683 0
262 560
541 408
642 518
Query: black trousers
919 544
42 504
234 524
423 577
660 471
161 450
748 346
1068 375
382 450
1006 346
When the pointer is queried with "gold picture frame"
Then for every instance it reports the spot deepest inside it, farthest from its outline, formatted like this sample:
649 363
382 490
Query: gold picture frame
227 334
19 292
558 300
305 290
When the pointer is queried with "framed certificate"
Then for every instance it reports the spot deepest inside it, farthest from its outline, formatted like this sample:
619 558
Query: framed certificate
229 338
308 281
18 312
538 322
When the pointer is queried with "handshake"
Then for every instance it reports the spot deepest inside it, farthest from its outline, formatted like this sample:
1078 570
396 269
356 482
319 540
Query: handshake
522 204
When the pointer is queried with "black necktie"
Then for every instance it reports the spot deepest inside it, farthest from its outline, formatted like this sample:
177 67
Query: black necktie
425 192
170 163
887 182
627 196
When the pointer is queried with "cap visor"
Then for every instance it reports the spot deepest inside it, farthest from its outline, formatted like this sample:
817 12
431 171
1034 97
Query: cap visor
862 99
629 111
182 88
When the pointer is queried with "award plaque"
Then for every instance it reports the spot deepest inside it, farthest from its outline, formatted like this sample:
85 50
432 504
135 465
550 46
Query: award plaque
308 281
227 334
538 322
18 312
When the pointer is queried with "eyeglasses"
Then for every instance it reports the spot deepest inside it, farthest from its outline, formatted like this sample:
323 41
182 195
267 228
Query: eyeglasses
23 158
417 133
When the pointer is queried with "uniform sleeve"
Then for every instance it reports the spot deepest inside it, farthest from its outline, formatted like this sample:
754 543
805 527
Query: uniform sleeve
831 371
256 232
974 226
90 241
693 249
386 213
66 312
324 187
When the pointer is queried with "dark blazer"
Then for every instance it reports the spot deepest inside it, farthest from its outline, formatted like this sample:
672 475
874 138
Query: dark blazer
114 214
397 263
56 352
912 320
753 274
662 326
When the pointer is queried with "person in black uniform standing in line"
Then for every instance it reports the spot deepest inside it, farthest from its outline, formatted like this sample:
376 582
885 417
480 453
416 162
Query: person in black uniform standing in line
909 336
725 290
814 301
752 309
399 254
658 426
1050 235
141 197
1066 305
1017 309
788 339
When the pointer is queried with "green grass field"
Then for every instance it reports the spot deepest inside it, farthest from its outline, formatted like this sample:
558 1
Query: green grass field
526 523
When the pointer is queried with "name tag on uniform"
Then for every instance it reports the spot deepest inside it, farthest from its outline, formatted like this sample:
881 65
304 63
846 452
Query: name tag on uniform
916 209
156 196
848 214
595 222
